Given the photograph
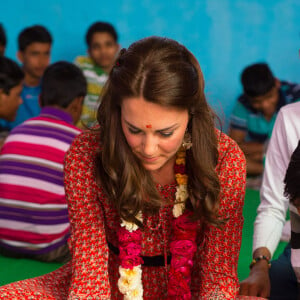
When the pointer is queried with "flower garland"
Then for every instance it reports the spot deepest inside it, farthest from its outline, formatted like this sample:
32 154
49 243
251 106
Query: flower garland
130 239
182 246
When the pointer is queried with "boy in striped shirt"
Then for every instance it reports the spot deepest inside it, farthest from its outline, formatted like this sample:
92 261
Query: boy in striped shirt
33 211
102 41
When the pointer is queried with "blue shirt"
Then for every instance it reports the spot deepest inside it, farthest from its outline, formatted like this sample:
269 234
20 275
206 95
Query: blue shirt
28 109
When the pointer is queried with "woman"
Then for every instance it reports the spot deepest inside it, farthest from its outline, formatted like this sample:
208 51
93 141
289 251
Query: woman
155 193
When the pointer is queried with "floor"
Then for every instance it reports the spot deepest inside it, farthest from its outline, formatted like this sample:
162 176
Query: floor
17 269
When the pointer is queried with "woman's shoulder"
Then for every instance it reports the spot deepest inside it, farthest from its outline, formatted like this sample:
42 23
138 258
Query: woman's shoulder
86 143
227 146
231 169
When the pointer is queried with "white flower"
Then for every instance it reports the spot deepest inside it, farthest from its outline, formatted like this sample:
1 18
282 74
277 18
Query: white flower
178 209
136 294
181 196
132 226
129 225
127 284
139 216
134 272
181 193
130 279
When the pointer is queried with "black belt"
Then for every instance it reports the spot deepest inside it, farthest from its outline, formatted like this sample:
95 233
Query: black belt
149 261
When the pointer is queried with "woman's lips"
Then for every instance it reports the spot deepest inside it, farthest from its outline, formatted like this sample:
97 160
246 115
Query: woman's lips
149 159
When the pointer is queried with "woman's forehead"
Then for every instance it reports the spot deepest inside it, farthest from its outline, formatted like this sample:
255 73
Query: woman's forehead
148 114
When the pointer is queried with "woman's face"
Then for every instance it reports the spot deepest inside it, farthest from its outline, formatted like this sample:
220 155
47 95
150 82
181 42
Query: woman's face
153 132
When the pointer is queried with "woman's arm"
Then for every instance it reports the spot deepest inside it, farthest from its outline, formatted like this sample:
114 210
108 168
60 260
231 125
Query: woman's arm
88 241
218 254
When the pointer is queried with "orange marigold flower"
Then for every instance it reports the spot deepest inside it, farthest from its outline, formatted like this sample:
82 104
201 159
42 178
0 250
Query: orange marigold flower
181 154
181 178
180 161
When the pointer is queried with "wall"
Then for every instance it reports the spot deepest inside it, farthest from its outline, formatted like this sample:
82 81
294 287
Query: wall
225 35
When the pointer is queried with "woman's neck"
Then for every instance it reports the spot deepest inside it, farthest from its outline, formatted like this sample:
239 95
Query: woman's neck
165 175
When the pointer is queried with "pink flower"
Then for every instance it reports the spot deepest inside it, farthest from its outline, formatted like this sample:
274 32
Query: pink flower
178 287
184 228
185 235
184 222
186 272
185 248
181 261
131 249
179 169
126 236
129 262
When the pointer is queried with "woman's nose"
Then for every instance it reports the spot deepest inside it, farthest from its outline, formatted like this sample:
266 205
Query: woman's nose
149 145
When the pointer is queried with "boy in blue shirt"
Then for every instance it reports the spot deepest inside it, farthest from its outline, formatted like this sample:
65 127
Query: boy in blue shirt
254 115
11 81
34 53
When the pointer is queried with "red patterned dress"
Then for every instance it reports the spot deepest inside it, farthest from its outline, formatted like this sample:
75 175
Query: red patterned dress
93 271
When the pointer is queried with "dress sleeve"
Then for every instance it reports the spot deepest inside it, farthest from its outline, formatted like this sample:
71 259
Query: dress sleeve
217 256
88 241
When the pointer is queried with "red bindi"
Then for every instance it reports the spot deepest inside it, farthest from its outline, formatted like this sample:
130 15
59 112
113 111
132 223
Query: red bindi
149 126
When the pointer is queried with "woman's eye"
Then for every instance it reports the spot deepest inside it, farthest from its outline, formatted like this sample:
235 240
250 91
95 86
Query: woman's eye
166 134
134 131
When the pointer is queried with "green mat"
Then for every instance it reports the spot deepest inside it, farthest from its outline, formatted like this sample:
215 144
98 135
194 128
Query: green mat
12 269
17 269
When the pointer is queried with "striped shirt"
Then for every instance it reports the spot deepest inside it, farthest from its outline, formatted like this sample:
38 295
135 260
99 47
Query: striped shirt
96 79
33 209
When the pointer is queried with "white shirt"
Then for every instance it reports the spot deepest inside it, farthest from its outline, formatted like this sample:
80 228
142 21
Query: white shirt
273 206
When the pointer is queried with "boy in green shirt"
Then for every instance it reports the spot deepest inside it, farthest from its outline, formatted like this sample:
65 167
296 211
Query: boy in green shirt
103 47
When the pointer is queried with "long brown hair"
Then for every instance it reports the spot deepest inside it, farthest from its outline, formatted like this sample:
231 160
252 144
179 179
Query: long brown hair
164 72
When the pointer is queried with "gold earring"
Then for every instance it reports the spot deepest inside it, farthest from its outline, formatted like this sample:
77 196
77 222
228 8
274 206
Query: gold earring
187 141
